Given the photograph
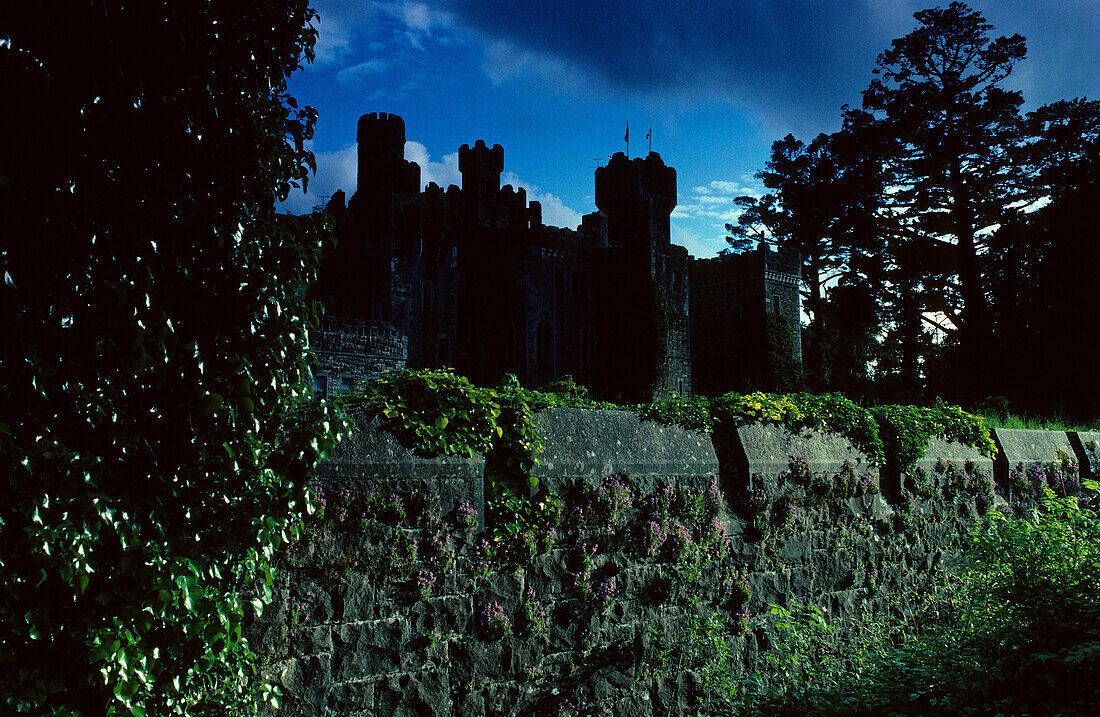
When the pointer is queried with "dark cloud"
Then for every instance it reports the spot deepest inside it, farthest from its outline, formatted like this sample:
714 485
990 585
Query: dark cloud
793 64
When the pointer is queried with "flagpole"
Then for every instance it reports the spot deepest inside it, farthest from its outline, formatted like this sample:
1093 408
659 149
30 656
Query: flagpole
626 138
649 136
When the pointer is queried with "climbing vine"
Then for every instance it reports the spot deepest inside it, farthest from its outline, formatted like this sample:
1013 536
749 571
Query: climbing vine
905 431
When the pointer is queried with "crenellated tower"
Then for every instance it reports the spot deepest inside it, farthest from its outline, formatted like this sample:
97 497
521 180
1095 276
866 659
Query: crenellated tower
637 196
480 166
383 170
647 302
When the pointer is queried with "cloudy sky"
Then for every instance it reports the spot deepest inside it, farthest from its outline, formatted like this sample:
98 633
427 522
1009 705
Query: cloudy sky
555 83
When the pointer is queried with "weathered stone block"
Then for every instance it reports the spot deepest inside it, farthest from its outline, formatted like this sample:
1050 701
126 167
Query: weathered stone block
371 456
1029 447
474 660
1086 444
357 596
369 648
547 574
307 640
592 444
953 452
755 455
352 697
414 694
307 679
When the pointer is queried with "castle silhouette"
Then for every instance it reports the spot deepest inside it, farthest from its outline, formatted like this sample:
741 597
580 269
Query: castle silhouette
471 278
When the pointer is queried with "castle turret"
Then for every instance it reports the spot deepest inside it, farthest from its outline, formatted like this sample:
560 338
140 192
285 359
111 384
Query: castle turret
638 196
480 167
382 169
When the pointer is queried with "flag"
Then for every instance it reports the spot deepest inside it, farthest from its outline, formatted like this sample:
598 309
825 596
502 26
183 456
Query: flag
649 134
626 137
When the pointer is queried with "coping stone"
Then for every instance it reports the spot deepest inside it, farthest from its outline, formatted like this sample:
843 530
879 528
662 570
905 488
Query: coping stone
758 453
590 443
1027 446
370 457
370 451
954 452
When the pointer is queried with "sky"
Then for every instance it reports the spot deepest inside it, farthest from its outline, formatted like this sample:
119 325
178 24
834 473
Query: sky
556 83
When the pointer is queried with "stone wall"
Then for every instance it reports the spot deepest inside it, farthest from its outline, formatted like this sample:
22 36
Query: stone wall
351 351
395 602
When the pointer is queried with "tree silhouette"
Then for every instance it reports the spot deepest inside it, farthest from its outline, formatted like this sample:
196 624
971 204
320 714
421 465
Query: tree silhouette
153 438
949 174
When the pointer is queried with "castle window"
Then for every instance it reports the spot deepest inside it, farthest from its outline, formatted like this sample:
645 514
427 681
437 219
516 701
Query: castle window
320 385
427 298
775 305
346 384
677 282
544 341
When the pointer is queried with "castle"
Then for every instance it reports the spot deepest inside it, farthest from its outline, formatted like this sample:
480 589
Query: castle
471 278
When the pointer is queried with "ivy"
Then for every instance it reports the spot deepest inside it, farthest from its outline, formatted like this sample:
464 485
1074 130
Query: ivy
157 426
692 413
434 412
905 431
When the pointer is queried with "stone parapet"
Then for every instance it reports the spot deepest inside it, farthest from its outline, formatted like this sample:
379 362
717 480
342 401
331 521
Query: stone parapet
1017 446
581 443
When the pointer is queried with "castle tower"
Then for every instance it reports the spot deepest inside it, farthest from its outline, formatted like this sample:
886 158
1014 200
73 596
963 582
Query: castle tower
646 311
382 169
637 195
480 167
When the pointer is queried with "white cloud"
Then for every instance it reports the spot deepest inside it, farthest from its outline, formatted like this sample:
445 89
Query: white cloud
354 73
707 209
695 244
444 173
418 19
338 27
554 211
506 62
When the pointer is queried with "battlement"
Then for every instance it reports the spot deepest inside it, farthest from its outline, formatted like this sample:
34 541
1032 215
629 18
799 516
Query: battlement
480 158
359 327
782 261
635 178
377 123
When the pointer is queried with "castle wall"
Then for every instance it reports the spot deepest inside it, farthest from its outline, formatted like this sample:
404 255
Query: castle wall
724 315
393 603
350 352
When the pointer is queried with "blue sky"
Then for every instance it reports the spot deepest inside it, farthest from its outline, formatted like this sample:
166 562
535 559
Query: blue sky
556 82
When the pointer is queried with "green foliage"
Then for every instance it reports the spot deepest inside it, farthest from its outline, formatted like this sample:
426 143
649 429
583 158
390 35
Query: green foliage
1015 631
780 370
156 429
826 412
567 388
886 432
692 413
434 412
905 431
